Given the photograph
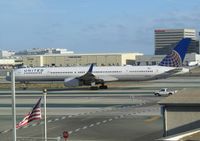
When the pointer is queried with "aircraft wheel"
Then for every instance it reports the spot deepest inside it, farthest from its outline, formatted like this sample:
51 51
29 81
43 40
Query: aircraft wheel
103 87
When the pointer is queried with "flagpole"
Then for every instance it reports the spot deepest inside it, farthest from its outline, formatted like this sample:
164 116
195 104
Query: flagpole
45 115
13 105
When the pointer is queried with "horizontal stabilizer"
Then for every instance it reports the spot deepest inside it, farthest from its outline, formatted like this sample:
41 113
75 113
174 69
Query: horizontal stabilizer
173 71
107 78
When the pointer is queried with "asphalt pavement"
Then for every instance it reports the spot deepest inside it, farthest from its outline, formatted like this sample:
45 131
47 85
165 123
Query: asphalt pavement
126 113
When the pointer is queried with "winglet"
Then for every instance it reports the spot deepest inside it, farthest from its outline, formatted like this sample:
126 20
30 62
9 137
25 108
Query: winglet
176 57
91 68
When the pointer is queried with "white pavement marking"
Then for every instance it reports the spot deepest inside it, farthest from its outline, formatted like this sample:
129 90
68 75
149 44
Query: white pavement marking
6 131
64 117
104 121
77 130
98 123
91 125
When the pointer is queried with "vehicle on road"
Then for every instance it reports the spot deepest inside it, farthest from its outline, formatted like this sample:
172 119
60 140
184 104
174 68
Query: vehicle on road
164 91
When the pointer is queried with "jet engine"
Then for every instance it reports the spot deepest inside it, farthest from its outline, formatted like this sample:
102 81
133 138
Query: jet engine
71 82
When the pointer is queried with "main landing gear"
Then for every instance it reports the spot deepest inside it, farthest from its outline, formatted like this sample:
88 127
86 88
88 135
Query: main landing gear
94 87
103 87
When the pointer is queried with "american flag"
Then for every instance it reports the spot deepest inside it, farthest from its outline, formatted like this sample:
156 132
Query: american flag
35 114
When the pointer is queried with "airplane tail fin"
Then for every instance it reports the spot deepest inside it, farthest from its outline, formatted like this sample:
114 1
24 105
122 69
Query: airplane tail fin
91 68
176 57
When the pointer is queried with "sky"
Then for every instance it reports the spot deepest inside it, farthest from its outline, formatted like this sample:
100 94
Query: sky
92 26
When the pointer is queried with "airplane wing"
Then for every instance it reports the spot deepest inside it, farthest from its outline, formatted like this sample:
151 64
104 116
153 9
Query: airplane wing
173 71
107 78
88 76
89 79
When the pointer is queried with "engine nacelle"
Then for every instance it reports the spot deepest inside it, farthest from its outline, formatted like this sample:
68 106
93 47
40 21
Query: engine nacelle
71 82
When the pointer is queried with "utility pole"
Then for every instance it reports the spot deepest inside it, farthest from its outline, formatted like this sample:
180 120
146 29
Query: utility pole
45 114
13 105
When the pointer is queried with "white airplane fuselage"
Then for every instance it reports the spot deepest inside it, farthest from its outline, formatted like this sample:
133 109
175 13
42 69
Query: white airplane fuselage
108 73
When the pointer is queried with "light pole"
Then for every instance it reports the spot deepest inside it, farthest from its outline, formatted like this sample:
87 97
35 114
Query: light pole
13 104
45 114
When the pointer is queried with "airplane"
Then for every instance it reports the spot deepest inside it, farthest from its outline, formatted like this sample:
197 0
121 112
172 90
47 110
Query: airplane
97 76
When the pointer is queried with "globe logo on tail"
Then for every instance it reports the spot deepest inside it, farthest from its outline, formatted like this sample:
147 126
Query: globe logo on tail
172 60
176 57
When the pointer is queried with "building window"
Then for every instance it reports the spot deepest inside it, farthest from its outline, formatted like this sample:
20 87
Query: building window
153 62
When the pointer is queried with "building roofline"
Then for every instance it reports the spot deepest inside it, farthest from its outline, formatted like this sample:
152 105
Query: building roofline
91 54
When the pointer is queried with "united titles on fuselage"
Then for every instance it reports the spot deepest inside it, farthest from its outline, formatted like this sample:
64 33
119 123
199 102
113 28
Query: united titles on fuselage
33 71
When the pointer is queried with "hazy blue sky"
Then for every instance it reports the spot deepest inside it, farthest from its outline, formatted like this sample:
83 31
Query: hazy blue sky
92 25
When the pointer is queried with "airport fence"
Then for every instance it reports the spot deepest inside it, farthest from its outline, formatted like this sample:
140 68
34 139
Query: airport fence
38 139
